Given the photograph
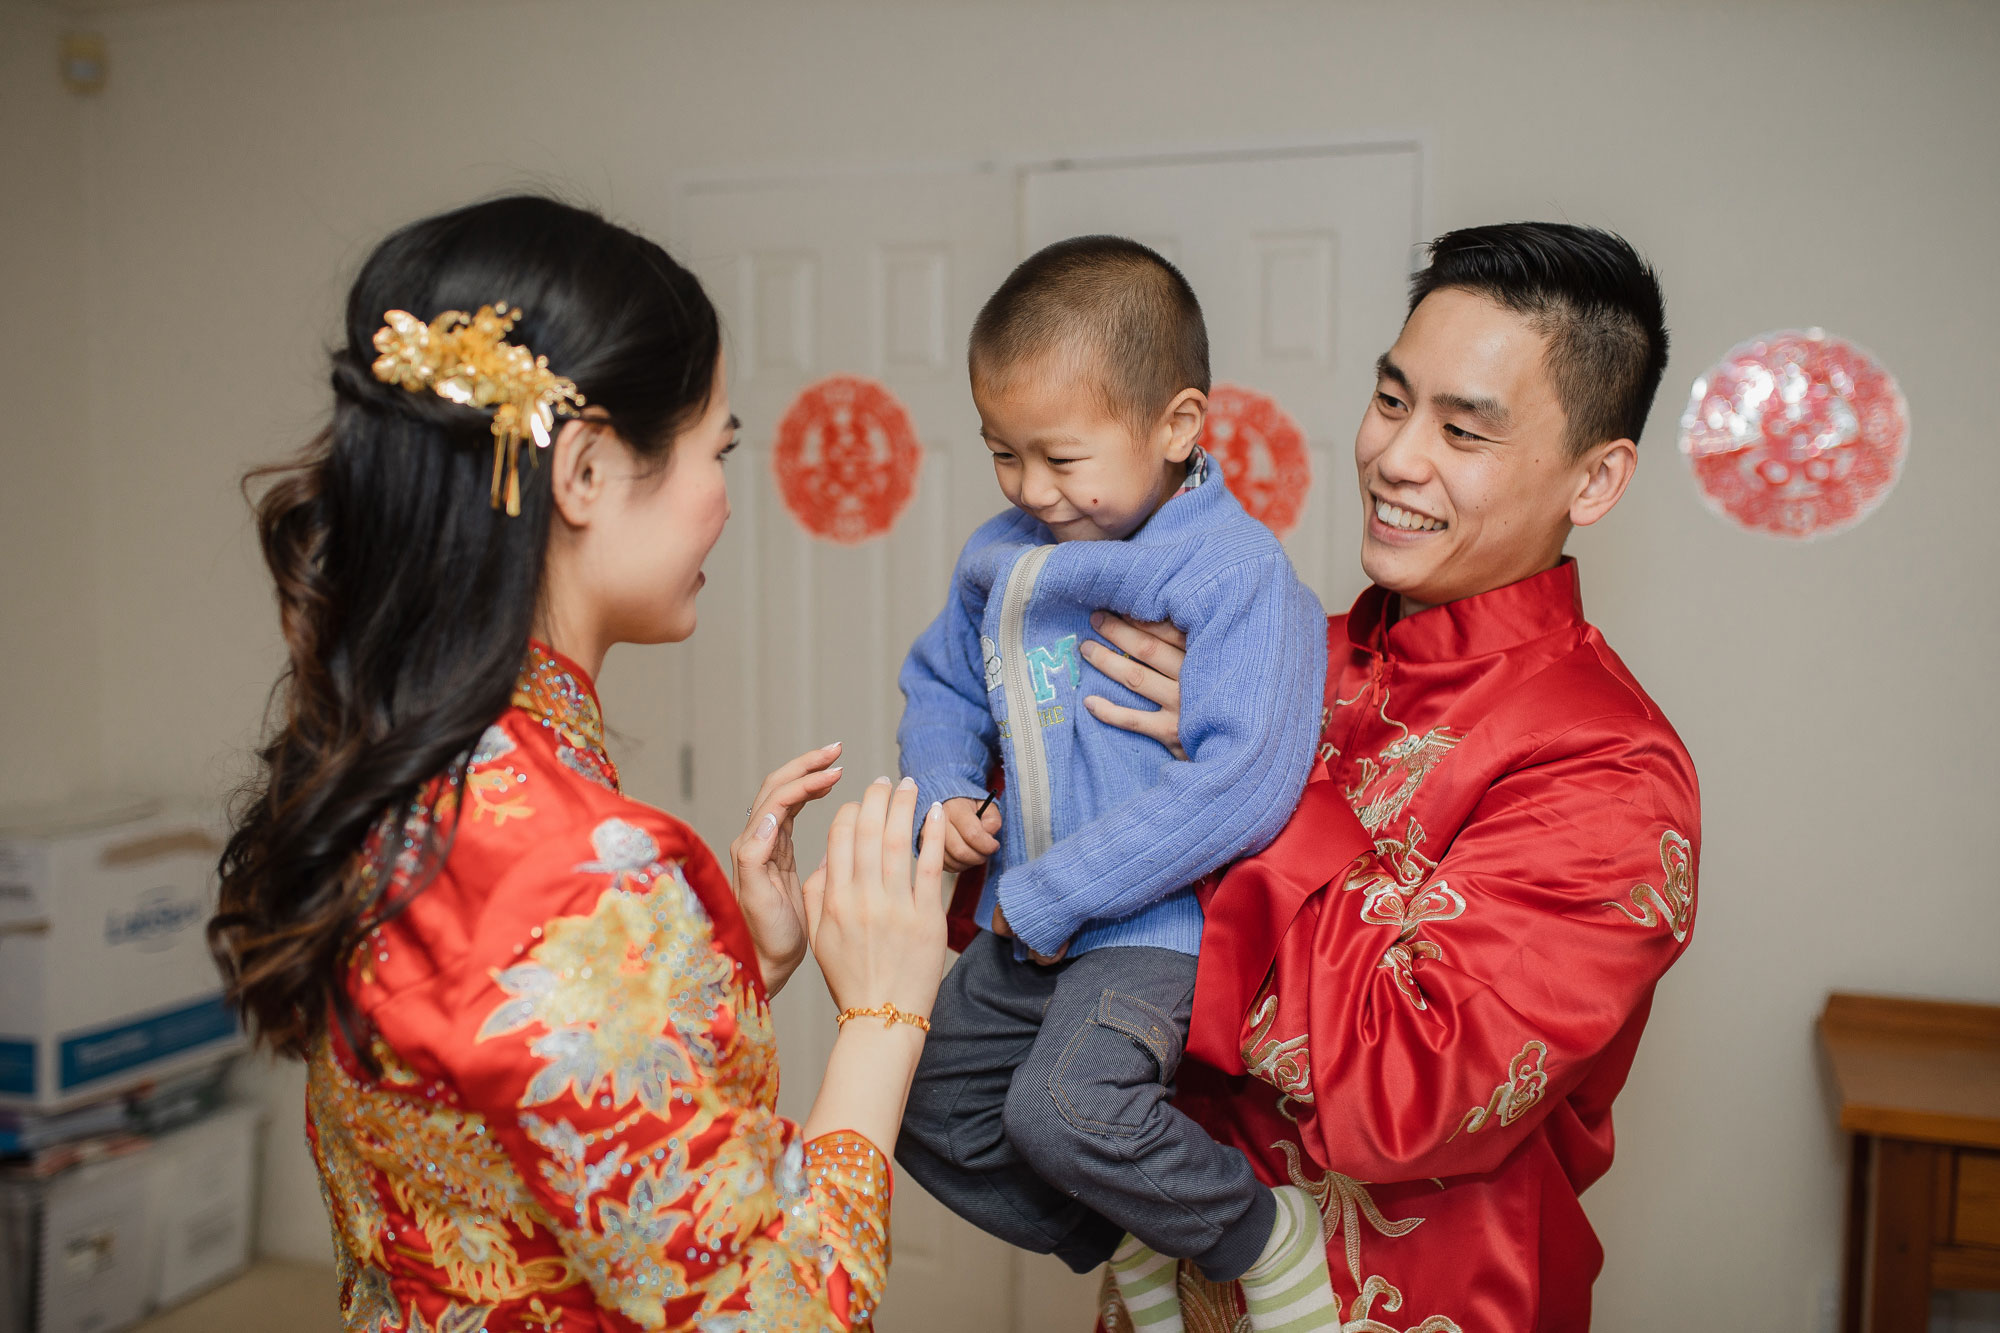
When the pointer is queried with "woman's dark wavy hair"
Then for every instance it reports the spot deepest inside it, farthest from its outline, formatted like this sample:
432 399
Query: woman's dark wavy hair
406 599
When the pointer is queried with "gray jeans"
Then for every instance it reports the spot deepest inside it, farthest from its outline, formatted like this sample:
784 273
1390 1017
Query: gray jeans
1035 1075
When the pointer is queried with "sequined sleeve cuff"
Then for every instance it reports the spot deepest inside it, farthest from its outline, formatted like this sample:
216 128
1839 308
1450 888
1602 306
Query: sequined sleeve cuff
850 1180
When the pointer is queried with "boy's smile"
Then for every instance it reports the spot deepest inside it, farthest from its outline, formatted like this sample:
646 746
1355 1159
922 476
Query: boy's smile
1061 454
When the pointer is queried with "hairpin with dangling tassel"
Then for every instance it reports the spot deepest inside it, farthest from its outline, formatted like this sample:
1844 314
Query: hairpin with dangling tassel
468 360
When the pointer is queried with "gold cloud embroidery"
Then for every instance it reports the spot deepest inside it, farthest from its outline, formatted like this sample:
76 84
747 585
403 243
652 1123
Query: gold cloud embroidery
1526 1081
1285 1064
1672 904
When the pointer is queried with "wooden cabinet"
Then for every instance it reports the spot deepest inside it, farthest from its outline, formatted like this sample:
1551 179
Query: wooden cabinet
1919 1089
1975 1209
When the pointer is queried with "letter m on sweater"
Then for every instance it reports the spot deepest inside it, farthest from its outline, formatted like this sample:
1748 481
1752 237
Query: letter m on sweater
1058 656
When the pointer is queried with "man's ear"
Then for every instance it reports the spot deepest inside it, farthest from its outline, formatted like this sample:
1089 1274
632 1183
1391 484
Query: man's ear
1182 422
1607 472
578 468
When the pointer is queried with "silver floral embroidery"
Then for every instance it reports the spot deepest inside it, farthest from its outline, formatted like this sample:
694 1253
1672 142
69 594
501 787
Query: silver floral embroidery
494 743
622 850
599 984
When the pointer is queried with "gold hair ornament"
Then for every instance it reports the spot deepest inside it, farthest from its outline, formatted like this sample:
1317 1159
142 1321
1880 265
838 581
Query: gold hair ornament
467 359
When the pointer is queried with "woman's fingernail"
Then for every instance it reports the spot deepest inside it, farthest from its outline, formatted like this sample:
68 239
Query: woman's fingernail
835 771
829 749
937 808
766 826
1097 620
880 782
907 784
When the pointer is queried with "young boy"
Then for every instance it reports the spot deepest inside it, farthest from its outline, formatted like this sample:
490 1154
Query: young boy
1040 1110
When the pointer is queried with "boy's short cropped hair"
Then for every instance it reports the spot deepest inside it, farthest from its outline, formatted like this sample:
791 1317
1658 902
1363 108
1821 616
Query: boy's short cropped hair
1114 309
1589 294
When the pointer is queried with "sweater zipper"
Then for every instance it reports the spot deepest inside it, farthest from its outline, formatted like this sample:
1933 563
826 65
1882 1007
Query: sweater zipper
1031 758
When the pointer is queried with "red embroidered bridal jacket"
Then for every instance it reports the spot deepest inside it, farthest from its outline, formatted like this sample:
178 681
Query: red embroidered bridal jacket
573 1126
1419 1002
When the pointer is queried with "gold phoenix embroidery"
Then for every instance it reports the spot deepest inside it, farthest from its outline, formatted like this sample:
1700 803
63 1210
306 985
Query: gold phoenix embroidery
1526 1081
1672 904
464 1199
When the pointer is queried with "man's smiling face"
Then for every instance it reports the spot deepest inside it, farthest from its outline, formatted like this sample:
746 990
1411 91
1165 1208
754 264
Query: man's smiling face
1467 483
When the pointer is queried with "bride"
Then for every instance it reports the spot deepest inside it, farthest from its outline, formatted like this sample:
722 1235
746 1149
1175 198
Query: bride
535 1012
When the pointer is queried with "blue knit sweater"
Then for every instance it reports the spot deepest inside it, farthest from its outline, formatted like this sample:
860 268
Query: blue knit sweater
1133 828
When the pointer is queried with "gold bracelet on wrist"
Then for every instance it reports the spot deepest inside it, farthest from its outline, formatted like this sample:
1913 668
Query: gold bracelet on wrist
888 1013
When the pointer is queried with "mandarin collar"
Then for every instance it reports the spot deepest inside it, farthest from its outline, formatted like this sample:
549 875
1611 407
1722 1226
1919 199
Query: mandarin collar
1491 622
560 693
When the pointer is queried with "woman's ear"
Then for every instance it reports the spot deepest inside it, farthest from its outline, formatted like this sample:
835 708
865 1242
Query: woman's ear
1609 468
1182 422
579 468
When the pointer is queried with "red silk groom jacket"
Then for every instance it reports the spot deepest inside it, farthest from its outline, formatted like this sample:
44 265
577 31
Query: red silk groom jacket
1420 1001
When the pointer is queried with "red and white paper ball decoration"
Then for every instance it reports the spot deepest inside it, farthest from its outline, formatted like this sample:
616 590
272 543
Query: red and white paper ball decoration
846 459
1262 452
1796 434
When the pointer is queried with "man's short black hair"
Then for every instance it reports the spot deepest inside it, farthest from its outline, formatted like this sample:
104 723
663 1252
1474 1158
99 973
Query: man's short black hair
1118 312
1589 294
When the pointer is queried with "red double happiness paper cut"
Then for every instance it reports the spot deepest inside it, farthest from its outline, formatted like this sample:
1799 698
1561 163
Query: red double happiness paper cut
1795 434
1262 452
846 459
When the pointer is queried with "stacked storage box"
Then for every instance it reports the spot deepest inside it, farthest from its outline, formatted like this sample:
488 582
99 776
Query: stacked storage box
125 1184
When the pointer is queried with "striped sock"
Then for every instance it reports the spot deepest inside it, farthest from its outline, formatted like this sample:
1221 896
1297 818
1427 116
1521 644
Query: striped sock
1288 1288
1149 1283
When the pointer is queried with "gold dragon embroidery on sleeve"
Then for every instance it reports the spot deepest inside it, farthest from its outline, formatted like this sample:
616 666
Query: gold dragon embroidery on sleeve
1672 904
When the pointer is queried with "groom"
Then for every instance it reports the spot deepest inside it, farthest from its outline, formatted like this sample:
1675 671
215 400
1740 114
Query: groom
1421 1000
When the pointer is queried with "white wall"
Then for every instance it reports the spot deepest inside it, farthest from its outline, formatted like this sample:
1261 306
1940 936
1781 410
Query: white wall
48 657
1782 164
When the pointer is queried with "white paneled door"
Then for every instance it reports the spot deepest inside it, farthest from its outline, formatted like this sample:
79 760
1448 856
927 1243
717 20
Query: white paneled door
801 638
1300 260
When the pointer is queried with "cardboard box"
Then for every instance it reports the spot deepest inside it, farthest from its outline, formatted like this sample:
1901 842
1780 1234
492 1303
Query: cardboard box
202 1204
98 1247
95 1262
106 981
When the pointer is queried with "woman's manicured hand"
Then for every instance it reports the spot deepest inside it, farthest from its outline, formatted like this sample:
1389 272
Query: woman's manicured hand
875 916
1148 662
766 871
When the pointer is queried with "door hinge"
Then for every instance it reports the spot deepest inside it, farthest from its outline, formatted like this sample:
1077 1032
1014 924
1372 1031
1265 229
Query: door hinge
687 772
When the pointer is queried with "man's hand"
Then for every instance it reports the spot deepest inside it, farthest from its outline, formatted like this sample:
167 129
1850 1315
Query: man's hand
1006 932
1147 661
969 837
